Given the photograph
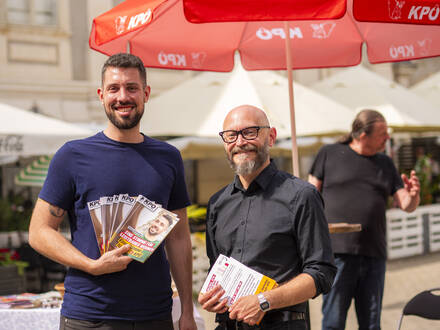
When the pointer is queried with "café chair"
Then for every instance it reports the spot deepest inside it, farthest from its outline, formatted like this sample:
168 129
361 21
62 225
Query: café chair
425 304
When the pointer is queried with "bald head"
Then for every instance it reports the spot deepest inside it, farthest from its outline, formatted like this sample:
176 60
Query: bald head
246 115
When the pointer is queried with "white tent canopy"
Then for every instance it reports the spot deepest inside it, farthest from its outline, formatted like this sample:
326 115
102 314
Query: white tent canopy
198 106
429 89
359 88
24 133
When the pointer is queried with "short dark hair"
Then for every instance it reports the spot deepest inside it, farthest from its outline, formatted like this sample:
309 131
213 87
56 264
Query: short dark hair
168 217
363 123
124 60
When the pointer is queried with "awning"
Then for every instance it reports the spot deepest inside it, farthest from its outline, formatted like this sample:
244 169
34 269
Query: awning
34 174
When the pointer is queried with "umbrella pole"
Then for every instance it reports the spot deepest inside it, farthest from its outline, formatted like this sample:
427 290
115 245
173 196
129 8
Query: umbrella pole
295 161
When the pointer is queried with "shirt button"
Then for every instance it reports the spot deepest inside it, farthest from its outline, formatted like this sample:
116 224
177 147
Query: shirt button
242 223
239 250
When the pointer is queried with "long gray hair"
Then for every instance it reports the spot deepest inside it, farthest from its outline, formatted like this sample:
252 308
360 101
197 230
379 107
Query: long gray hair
363 122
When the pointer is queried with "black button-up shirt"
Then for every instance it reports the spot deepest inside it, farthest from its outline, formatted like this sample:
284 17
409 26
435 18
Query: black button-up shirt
276 227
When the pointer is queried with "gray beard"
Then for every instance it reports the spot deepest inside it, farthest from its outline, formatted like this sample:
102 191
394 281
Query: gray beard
248 167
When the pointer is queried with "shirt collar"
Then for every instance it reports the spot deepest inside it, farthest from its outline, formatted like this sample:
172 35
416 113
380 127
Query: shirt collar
261 181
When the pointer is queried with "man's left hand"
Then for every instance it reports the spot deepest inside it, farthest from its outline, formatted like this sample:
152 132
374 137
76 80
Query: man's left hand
187 322
247 309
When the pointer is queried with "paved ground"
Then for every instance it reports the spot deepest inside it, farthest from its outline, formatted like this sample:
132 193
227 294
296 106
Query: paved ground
404 279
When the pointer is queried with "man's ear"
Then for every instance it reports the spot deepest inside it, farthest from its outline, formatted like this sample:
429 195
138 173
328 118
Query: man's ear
147 92
272 136
100 94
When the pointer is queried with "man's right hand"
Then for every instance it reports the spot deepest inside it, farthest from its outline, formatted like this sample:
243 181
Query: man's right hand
211 302
111 262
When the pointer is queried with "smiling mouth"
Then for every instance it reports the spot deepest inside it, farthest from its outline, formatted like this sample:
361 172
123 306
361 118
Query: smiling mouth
123 110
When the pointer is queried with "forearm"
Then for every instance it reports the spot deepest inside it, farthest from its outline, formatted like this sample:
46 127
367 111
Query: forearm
46 239
55 246
410 203
299 289
179 252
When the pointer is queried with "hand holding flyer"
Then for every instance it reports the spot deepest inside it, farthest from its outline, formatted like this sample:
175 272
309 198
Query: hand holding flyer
236 279
139 222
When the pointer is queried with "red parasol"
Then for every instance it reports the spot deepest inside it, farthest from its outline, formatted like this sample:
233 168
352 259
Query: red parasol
157 31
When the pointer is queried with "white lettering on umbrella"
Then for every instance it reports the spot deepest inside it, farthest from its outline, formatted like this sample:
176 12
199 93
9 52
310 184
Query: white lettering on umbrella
120 24
432 12
172 59
395 9
424 46
266 34
322 30
402 51
141 19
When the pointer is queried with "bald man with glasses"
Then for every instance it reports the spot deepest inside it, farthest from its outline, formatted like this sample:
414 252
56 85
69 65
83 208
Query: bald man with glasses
270 221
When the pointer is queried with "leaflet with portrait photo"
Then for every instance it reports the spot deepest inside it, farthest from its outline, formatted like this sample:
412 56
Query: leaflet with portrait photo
236 279
145 227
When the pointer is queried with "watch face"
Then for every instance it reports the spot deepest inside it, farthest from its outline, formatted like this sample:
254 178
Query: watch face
264 305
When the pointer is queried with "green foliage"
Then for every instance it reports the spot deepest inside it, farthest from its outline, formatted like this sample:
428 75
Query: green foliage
429 182
6 260
15 213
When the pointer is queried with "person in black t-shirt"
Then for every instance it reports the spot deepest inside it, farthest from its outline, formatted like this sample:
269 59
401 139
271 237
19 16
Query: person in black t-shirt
356 179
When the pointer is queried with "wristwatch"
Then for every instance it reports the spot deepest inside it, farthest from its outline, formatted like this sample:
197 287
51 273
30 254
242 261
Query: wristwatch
264 304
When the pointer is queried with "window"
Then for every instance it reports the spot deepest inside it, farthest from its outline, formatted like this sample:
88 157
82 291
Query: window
31 12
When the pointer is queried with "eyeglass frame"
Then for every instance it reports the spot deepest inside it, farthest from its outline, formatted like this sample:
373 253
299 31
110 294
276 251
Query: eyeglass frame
240 132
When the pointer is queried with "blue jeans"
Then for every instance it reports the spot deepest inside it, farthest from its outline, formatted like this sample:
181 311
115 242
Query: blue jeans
361 278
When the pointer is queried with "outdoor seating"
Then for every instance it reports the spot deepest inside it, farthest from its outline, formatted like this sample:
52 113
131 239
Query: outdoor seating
425 304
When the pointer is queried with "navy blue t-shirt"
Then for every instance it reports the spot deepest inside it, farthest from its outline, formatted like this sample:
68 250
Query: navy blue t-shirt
83 171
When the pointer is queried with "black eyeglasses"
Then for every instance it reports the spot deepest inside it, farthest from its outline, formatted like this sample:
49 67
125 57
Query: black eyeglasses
248 133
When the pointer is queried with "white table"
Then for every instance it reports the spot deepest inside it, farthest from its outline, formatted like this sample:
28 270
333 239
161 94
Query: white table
30 319
49 318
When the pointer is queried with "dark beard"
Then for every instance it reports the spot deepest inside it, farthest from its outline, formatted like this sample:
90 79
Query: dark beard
250 166
124 124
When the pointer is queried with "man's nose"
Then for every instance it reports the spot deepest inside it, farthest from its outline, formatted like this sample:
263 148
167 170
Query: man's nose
123 94
240 140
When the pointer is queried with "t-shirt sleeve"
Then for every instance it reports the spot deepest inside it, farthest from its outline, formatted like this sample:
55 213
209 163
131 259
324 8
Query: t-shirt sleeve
179 195
317 169
397 179
58 188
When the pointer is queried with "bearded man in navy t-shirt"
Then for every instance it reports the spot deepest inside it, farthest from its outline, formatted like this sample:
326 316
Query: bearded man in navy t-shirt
111 291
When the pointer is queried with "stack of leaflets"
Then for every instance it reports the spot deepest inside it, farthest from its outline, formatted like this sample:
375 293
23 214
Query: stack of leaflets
120 219
236 279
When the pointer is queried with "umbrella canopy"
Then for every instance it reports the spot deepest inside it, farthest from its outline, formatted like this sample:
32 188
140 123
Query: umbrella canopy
263 10
359 88
398 11
213 94
162 38
23 133
429 89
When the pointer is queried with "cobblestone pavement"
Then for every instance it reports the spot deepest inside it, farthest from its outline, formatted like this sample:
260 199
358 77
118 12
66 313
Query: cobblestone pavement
404 279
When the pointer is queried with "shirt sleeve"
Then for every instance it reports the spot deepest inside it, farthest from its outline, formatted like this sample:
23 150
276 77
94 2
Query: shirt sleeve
397 179
59 187
317 168
314 239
